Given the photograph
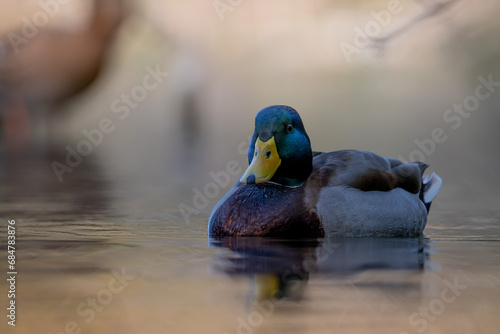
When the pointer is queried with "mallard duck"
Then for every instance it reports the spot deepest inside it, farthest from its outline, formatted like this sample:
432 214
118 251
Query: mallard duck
290 191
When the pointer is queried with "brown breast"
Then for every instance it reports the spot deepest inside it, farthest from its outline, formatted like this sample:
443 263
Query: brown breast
266 210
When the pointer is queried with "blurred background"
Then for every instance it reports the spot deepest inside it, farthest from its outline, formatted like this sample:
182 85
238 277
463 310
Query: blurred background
63 65
113 113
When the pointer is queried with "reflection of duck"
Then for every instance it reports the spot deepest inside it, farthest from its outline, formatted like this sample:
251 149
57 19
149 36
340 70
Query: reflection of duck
289 191
351 255
282 268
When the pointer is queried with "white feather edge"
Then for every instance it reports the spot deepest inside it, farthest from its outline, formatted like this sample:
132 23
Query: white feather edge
433 186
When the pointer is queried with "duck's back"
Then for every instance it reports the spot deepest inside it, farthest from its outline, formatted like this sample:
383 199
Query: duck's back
359 193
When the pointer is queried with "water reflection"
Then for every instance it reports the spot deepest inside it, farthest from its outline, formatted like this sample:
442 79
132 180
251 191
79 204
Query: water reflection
30 179
281 269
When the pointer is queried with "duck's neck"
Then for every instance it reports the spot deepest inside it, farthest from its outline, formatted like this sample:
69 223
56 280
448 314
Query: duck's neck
294 173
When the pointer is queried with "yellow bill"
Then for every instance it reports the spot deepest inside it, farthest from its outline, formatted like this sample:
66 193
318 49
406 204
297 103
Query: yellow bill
264 164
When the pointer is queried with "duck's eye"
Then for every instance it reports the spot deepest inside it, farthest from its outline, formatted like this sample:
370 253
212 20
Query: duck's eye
289 128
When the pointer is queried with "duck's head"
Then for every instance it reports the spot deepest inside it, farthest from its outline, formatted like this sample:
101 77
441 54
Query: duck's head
280 150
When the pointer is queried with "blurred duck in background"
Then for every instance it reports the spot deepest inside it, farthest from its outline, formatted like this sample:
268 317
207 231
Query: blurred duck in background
43 66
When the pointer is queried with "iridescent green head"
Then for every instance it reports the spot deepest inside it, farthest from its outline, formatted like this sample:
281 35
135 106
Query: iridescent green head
280 150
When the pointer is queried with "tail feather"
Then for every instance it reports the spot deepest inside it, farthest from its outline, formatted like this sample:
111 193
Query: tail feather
430 189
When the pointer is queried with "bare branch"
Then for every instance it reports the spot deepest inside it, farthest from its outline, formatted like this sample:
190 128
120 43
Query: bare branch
430 11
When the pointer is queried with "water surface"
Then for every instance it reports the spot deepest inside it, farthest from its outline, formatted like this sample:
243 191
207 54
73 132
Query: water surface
107 255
